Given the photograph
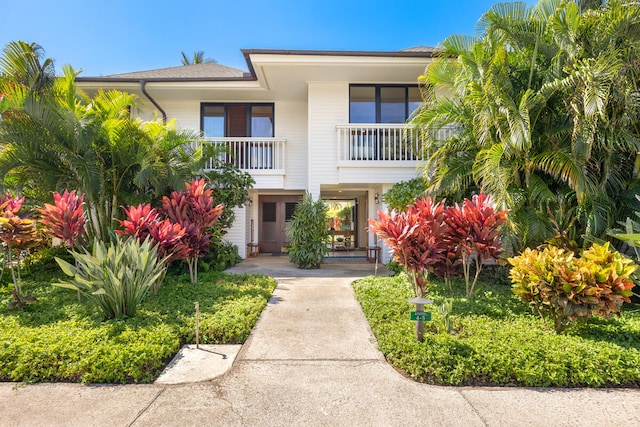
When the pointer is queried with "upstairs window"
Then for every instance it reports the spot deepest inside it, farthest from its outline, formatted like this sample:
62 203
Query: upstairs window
237 120
382 103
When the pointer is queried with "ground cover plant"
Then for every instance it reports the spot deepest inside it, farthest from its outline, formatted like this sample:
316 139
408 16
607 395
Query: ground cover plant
58 338
498 340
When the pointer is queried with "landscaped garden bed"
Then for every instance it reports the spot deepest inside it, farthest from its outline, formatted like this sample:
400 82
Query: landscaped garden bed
57 338
497 339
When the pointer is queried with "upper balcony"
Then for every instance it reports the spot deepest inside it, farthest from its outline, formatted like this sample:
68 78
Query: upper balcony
258 156
263 158
381 145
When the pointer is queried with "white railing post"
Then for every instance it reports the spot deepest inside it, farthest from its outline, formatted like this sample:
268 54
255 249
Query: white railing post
383 142
250 154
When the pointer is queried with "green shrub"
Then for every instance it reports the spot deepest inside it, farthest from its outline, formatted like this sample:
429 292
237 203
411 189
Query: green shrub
115 278
60 339
308 233
222 255
497 341
566 288
404 193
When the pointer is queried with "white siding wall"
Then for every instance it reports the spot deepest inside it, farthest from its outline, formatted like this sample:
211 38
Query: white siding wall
377 175
291 123
187 114
328 106
237 234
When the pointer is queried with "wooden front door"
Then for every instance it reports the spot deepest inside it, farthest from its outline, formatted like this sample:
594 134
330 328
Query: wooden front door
275 213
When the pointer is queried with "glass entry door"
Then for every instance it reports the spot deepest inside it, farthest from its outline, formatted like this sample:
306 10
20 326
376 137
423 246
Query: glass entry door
275 214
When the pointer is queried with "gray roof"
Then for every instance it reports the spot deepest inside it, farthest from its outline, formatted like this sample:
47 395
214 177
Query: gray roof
419 49
193 71
211 71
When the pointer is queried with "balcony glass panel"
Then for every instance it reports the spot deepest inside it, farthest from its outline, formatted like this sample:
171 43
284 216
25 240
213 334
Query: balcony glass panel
213 120
262 121
363 104
392 105
415 99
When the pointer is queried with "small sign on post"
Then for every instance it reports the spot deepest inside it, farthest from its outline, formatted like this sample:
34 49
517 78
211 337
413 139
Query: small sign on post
420 316
424 316
197 325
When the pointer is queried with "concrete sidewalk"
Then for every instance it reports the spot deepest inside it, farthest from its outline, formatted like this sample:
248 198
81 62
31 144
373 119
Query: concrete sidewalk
312 360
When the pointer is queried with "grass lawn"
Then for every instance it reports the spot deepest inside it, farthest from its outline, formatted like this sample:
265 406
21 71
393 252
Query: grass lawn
58 338
498 340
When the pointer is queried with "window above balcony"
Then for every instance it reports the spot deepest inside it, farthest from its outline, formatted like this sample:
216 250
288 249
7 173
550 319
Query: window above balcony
237 120
382 103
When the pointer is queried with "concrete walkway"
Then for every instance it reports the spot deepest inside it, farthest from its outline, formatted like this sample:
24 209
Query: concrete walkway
312 360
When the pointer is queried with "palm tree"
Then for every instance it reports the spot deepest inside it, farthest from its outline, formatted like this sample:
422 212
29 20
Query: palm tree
22 67
62 139
198 58
548 121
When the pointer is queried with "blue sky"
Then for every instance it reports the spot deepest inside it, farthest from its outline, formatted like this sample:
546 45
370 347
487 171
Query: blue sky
107 37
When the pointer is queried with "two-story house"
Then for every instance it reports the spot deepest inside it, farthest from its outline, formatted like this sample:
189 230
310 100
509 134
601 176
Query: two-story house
328 122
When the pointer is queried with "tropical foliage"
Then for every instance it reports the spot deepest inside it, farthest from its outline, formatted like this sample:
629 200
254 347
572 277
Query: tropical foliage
308 233
53 136
432 237
193 209
403 193
474 235
567 288
197 58
17 233
114 277
497 340
546 102
416 238
65 218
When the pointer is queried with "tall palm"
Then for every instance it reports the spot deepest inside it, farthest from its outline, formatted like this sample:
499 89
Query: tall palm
22 67
544 101
198 58
63 139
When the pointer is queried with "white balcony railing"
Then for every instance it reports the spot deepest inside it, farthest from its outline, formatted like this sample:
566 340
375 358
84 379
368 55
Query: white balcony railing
382 142
254 155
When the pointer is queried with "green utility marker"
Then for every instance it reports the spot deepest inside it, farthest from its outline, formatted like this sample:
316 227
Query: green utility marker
421 315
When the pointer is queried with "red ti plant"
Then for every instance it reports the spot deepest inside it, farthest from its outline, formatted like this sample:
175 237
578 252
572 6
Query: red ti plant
415 238
65 218
16 234
474 230
193 209
144 222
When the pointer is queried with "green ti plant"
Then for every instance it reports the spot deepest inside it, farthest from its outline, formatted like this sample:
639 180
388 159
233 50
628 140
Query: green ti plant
445 309
115 277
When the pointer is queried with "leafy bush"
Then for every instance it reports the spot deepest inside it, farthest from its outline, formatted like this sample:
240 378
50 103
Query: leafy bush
194 210
404 193
416 237
115 278
17 234
142 222
65 218
429 237
567 288
308 233
473 233
60 339
497 340
222 255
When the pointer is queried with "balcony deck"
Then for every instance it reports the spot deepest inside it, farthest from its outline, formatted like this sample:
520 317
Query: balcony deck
380 145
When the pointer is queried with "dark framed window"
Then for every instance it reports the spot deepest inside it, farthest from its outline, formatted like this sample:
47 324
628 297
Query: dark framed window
382 103
237 120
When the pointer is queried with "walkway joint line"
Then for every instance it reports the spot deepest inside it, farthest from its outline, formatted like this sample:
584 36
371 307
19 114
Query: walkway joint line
143 410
